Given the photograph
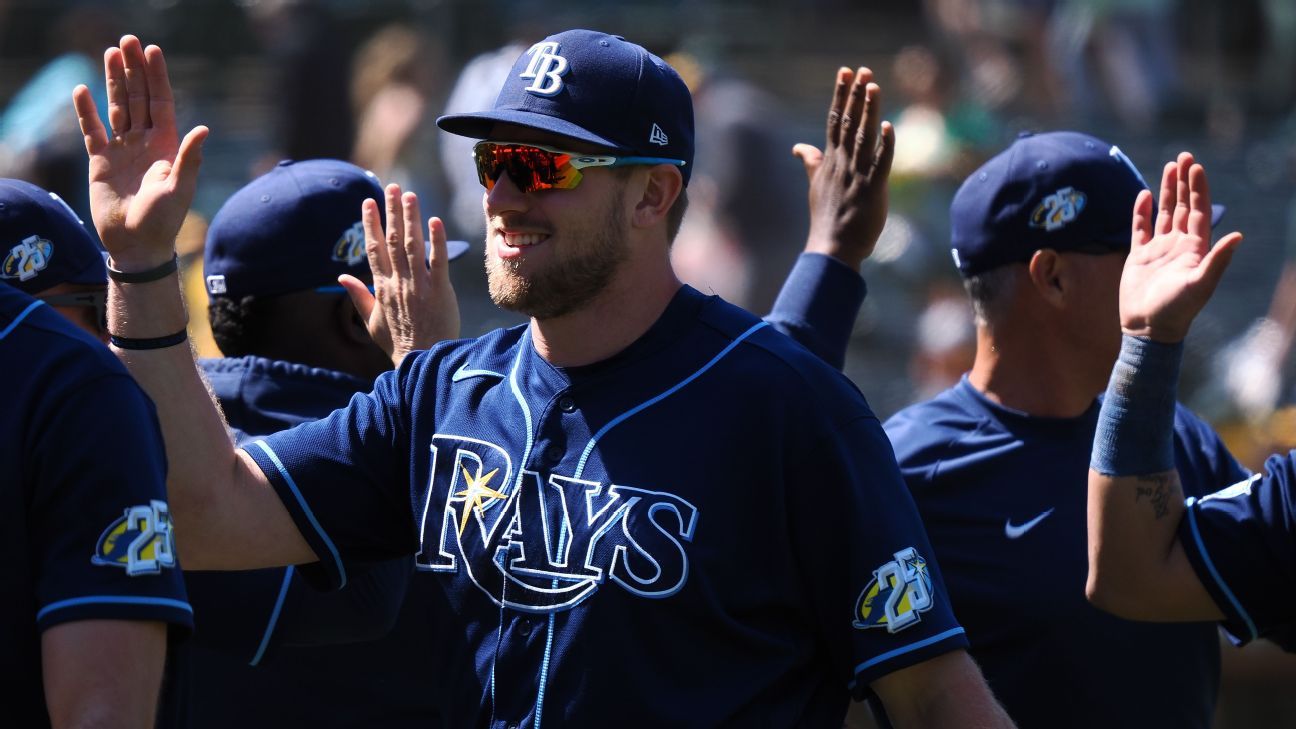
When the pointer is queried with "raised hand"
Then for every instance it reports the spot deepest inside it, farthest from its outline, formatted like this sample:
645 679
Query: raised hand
142 179
1172 269
848 179
413 305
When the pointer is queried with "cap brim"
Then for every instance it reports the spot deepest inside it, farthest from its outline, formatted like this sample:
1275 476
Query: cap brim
456 248
1217 212
478 125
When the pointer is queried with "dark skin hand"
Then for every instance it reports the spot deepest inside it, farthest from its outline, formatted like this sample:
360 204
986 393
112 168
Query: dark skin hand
848 178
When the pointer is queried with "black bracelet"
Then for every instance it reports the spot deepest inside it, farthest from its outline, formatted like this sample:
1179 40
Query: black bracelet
153 274
151 343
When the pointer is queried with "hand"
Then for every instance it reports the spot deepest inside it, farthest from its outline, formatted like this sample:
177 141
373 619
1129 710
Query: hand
1169 276
413 305
141 181
848 180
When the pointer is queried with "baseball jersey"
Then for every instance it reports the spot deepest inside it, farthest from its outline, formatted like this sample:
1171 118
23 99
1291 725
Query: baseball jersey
87 528
1242 542
1003 495
706 529
294 655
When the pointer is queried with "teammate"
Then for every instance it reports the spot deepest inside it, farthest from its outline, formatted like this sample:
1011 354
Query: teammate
598 541
1152 555
48 253
996 463
294 655
94 585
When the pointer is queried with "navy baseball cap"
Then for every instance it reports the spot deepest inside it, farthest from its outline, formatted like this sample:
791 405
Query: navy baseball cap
596 88
42 241
295 228
1061 190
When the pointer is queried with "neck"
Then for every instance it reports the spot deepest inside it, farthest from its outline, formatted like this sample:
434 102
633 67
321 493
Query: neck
1019 368
613 320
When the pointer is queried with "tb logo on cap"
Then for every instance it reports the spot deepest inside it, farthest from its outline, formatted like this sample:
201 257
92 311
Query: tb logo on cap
546 69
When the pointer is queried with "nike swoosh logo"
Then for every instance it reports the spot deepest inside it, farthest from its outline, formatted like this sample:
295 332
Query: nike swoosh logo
1013 531
464 373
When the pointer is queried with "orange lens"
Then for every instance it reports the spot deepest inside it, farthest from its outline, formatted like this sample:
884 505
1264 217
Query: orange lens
529 168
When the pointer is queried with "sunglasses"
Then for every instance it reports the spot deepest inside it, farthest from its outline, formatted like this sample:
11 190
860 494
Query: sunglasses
533 167
97 300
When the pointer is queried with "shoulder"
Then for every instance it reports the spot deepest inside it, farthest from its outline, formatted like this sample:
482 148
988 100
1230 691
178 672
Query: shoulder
37 344
941 421
763 356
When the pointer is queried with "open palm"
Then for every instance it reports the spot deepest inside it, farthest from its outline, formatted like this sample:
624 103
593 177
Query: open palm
1172 269
142 179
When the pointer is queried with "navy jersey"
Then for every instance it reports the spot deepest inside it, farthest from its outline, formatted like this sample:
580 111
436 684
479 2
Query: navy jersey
706 529
293 655
1242 542
1003 495
87 532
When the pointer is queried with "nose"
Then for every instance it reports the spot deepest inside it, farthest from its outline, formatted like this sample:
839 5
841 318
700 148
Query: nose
504 197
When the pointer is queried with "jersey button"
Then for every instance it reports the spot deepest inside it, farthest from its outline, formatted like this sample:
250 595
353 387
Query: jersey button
553 454
567 405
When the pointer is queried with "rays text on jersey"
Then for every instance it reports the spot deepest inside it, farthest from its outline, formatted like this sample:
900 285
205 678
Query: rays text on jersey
543 542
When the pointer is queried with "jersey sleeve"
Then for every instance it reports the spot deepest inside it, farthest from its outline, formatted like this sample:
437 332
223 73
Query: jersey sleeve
877 591
345 480
1242 543
101 535
818 304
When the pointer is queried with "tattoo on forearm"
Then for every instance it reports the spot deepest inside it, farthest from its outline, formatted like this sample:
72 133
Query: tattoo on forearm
1158 489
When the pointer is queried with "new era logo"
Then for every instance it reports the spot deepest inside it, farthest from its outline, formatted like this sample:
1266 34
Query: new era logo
216 284
657 136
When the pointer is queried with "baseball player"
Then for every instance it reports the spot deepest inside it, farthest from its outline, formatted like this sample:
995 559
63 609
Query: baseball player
65 268
996 462
1153 555
645 507
294 655
94 586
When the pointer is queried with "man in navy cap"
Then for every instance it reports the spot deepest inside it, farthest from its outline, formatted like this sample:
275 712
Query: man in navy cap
644 507
997 463
296 349
57 261
93 582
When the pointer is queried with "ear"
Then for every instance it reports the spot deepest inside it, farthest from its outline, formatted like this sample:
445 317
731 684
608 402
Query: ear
662 187
1049 276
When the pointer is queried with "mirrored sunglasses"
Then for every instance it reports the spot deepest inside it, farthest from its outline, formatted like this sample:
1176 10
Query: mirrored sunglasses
533 167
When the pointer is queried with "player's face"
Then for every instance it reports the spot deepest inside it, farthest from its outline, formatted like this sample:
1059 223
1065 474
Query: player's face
81 304
1099 309
551 252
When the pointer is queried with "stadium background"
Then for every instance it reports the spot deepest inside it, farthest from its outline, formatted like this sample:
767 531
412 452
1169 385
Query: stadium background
276 79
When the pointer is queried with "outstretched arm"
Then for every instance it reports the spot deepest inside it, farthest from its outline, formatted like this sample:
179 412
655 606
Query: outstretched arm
413 305
1137 567
848 208
142 180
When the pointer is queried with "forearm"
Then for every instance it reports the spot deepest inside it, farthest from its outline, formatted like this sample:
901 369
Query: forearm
205 474
1137 568
103 674
945 692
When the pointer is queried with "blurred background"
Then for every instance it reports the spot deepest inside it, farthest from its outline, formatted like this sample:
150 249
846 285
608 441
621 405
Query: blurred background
278 79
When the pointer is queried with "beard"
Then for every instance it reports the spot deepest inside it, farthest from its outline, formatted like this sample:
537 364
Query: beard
573 279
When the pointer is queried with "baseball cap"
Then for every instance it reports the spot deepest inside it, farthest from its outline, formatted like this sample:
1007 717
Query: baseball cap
295 228
42 241
1066 191
596 88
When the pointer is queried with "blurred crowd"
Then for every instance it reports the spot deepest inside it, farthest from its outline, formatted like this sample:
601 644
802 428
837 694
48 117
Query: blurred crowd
303 79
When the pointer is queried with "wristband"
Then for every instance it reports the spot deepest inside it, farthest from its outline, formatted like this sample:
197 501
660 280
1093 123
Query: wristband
1135 433
149 343
152 274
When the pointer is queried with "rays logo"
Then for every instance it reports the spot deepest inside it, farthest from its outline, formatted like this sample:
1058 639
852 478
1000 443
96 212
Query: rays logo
140 540
542 543
545 70
1058 209
900 590
27 259
350 248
